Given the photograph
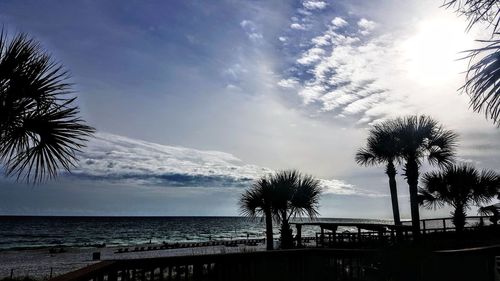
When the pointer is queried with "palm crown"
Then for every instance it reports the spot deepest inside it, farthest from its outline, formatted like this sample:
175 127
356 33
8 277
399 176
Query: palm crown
458 186
421 137
40 131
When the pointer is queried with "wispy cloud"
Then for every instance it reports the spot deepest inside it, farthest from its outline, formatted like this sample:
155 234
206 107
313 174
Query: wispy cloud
118 159
112 157
251 30
344 67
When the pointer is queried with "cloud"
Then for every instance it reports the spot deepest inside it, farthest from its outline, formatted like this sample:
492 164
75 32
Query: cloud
288 83
118 159
234 72
345 72
297 26
251 30
314 5
312 55
339 22
366 26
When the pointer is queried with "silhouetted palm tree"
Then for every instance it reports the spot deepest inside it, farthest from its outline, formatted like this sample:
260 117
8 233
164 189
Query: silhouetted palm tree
483 76
40 130
258 202
420 138
279 197
295 195
491 210
459 186
383 148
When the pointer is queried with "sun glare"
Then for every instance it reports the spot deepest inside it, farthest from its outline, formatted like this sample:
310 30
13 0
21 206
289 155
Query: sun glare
432 55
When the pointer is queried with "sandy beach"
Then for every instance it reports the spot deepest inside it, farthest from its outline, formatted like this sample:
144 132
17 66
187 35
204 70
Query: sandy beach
39 263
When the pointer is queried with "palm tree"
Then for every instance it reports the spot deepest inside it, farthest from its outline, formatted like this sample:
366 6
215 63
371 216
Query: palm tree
279 197
420 138
295 195
382 148
258 202
459 186
40 131
491 210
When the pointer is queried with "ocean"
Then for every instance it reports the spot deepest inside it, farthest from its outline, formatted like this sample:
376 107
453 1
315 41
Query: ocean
37 231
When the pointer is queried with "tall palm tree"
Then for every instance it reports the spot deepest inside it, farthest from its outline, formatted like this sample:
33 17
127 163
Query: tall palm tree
296 194
459 186
421 138
257 202
382 148
40 131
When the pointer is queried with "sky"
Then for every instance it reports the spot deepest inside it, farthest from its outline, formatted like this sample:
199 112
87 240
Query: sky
193 100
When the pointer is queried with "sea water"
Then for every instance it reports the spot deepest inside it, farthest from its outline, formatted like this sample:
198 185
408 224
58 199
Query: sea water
36 232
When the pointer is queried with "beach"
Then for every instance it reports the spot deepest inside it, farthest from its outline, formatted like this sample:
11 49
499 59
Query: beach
38 263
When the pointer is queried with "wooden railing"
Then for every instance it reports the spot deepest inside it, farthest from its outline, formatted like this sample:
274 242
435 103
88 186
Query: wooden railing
301 264
437 228
446 224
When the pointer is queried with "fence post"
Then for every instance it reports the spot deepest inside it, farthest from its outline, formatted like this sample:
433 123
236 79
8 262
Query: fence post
299 235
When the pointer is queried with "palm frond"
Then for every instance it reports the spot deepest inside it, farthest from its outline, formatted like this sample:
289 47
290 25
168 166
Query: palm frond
477 11
255 201
491 210
428 200
365 157
305 200
46 142
483 80
382 146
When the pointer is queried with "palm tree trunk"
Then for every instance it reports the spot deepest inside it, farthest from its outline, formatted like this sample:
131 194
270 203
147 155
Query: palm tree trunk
459 217
391 172
411 172
286 232
269 230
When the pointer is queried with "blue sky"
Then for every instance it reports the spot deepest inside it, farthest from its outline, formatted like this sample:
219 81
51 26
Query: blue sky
193 99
